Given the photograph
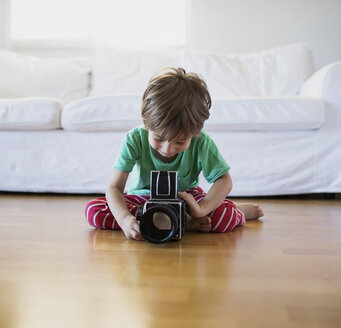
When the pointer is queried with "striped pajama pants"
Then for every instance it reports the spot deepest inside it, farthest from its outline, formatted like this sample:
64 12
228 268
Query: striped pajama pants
223 219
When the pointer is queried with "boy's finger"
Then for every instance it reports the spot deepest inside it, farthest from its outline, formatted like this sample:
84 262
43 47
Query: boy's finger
184 195
136 227
137 235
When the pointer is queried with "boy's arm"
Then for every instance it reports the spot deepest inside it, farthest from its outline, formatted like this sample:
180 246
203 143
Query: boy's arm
118 207
214 198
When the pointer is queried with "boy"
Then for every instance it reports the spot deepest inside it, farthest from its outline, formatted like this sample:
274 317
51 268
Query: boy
175 106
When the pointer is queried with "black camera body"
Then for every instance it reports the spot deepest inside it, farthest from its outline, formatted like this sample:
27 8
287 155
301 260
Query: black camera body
164 217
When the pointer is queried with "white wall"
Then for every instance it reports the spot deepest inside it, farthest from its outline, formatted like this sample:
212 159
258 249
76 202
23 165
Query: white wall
3 24
247 25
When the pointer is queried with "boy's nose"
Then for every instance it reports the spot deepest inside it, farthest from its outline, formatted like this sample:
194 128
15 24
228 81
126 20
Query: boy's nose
167 147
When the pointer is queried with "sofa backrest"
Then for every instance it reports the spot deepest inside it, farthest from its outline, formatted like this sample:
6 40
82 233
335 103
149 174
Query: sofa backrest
21 75
127 71
273 72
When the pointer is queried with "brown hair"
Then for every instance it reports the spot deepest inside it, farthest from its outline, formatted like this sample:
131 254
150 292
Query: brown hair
175 102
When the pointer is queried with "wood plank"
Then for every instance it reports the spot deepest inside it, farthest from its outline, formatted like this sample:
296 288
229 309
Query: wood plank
281 271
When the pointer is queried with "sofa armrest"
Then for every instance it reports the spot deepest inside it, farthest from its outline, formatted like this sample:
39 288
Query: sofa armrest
325 83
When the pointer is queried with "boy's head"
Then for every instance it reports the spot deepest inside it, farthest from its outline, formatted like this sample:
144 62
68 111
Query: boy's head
175 103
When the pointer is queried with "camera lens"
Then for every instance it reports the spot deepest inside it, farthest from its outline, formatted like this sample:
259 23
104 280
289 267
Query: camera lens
158 224
162 221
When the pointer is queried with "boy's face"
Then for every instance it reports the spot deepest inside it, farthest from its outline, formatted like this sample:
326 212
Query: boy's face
168 149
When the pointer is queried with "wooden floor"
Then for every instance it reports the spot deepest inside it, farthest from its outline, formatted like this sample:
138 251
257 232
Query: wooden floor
56 271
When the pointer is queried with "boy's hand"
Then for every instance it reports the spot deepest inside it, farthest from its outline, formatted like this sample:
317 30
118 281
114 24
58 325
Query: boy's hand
194 208
131 228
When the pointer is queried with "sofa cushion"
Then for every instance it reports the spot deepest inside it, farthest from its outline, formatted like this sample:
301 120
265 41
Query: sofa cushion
122 72
111 113
266 114
30 114
121 113
27 76
274 72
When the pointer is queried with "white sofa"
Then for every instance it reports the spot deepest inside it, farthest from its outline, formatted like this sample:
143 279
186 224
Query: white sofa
276 122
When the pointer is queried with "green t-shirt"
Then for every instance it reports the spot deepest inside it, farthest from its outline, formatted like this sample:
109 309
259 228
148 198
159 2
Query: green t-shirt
137 156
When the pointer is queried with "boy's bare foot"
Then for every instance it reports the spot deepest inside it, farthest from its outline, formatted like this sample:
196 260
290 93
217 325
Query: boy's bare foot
199 224
251 211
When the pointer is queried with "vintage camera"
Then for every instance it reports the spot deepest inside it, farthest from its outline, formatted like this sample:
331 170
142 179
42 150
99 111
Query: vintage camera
164 216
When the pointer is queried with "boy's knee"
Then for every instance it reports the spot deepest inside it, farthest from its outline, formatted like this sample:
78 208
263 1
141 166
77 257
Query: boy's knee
92 209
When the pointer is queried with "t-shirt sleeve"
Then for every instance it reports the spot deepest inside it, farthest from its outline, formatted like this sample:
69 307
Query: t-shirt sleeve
129 153
212 162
